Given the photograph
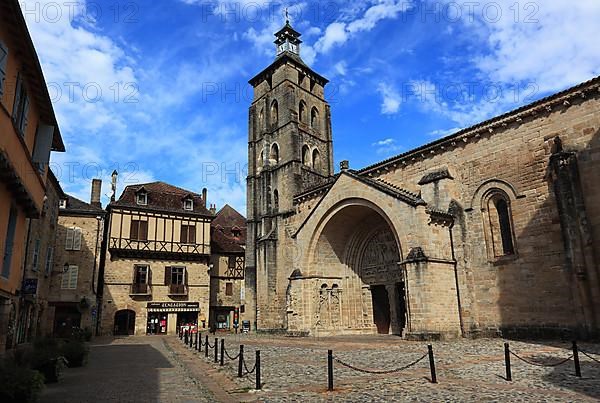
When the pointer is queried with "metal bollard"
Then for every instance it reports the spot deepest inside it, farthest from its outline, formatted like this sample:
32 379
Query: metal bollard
432 364
206 347
191 340
196 345
241 361
185 338
222 352
576 359
258 383
199 342
330 370
507 362
216 350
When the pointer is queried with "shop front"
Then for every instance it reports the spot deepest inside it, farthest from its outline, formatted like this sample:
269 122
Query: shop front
170 317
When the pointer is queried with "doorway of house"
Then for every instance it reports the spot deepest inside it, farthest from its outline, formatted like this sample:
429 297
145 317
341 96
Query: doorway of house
381 308
124 323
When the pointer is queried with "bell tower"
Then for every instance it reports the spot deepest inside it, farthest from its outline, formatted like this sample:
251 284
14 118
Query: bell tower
289 150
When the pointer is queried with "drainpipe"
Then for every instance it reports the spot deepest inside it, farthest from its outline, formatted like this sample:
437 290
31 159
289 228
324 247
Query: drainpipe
455 263
98 220
102 263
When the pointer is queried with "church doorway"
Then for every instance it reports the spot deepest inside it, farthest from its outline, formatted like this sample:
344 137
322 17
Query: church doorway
381 309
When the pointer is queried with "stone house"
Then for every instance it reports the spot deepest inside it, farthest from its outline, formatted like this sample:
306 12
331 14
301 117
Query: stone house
29 133
493 230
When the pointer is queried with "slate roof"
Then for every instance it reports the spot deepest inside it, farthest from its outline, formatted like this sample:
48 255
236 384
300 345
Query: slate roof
227 222
162 197
79 207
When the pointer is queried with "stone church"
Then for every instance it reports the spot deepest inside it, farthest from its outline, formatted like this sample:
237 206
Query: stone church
494 230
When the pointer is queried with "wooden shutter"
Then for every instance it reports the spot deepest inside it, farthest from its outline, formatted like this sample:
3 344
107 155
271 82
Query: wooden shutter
192 234
167 276
3 64
183 234
25 114
77 239
69 240
17 103
43 145
185 276
149 276
143 234
133 229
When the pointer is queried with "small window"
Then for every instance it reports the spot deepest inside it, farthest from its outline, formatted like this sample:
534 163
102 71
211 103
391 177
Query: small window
63 203
142 199
3 64
69 278
177 275
20 114
500 225
302 112
276 200
274 113
35 261
141 274
274 156
188 234
306 155
73 240
188 205
316 160
229 289
314 118
138 230
49 260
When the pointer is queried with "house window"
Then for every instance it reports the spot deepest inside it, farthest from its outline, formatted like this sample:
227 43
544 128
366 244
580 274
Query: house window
63 203
69 278
138 230
73 241
49 260
176 279
9 242
35 261
21 107
188 204
3 63
228 289
188 234
178 275
142 199
141 274
500 225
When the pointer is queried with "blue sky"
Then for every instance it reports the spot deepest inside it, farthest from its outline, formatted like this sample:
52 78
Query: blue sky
158 89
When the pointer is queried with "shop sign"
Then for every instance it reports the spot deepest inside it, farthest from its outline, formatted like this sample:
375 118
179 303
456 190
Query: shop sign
173 305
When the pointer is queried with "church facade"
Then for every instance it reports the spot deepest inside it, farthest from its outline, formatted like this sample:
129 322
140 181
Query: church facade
494 230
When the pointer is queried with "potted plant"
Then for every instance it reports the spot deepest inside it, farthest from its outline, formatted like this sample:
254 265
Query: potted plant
47 358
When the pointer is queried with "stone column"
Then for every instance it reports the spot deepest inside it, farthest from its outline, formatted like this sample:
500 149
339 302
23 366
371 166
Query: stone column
392 292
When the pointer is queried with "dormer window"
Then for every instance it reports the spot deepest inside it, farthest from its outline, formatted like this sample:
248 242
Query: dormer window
142 198
188 205
63 203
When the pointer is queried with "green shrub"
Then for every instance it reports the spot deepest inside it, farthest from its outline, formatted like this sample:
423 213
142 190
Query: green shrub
75 353
47 358
19 384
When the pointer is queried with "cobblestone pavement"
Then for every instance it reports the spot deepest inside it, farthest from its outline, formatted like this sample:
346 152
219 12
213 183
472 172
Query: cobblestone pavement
135 369
295 370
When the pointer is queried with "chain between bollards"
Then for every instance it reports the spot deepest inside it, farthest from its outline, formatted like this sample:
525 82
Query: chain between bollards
258 383
432 364
241 361
330 370
576 359
507 362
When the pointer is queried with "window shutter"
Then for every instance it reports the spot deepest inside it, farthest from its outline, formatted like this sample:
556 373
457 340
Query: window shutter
69 240
3 64
133 229
185 276
167 276
49 258
77 239
192 234
149 276
183 234
36 255
25 117
43 145
73 275
17 98
143 230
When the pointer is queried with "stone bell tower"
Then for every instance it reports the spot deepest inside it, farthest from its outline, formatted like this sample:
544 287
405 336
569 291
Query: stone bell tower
289 149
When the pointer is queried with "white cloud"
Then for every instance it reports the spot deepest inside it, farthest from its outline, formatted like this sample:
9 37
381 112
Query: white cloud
391 99
387 147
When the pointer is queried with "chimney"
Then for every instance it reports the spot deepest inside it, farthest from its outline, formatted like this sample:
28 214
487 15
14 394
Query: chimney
345 165
113 186
204 196
96 192
213 209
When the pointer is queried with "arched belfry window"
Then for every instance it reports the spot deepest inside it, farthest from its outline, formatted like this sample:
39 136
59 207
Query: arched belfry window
274 113
274 156
500 231
316 160
276 200
261 119
306 155
314 118
302 112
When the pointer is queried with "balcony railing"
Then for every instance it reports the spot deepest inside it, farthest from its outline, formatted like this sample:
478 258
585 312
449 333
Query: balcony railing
133 245
177 289
140 289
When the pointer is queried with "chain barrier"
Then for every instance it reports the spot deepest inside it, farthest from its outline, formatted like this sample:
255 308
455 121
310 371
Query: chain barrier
230 357
248 371
391 371
209 345
589 356
538 364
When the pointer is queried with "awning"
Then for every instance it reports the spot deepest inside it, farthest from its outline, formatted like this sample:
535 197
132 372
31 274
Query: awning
173 309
